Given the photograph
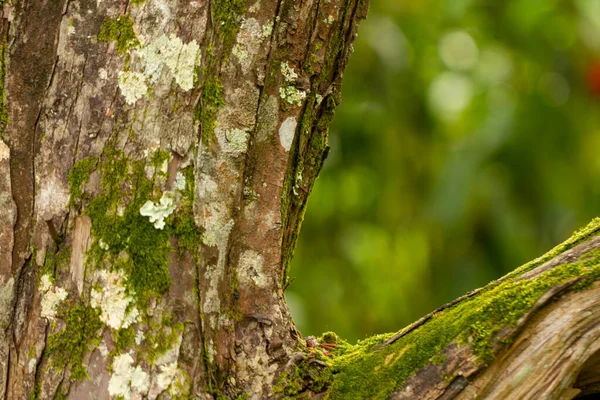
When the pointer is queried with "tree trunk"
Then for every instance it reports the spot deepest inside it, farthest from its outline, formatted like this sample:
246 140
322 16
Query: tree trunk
155 161
156 158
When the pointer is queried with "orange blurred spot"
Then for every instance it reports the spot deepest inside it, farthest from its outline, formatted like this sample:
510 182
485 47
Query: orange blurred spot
593 78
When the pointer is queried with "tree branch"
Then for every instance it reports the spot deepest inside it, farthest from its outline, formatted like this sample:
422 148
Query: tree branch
530 334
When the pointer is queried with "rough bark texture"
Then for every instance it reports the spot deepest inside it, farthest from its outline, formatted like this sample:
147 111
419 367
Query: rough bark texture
155 161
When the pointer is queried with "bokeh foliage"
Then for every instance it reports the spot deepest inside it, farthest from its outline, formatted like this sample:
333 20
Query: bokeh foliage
467 143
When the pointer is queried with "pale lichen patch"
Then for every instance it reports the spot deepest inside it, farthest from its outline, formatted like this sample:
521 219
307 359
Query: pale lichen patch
292 95
53 196
31 365
52 296
117 309
181 59
180 181
255 7
212 302
288 72
127 381
287 132
4 151
206 186
251 269
102 74
6 298
217 228
248 43
234 141
166 366
133 86
256 371
139 337
158 212
166 375
103 349
267 30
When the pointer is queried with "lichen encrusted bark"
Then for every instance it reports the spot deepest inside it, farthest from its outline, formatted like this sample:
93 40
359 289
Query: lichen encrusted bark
157 156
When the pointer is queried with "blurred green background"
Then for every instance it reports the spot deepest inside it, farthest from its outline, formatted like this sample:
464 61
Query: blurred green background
467 144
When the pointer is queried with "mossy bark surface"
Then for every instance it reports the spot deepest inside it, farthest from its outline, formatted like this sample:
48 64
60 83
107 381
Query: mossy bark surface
155 161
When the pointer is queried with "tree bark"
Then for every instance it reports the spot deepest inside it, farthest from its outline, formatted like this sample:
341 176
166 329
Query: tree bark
155 161
156 157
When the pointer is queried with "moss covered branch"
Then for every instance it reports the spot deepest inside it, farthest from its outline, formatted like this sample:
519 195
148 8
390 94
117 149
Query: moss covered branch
532 333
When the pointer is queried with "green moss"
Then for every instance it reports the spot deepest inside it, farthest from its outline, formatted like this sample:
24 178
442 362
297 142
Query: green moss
36 392
184 227
158 159
79 176
119 30
80 335
54 262
160 338
305 377
227 15
208 106
124 339
365 372
120 227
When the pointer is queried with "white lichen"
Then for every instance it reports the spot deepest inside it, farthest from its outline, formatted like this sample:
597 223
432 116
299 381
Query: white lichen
288 72
298 180
217 231
250 269
180 181
126 379
52 296
211 350
103 349
186 65
255 7
292 95
267 30
166 375
241 54
117 309
4 151
287 132
158 212
319 99
31 365
234 141
248 42
181 59
206 186
139 337
133 86
53 195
